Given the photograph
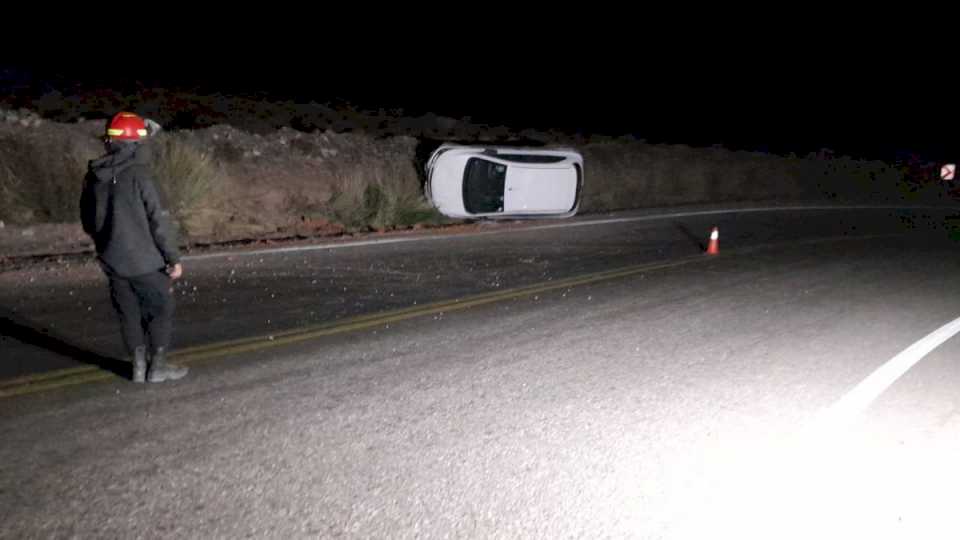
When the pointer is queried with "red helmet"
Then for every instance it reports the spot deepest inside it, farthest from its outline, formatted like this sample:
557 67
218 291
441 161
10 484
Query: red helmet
126 126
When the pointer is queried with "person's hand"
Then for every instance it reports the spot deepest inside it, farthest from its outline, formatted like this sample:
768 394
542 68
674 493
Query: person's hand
175 271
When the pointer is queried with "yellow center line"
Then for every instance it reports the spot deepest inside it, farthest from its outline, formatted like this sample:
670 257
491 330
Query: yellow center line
72 376
39 377
40 386
29 384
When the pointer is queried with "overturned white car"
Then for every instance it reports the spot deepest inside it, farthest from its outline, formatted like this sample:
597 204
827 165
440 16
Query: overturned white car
504 182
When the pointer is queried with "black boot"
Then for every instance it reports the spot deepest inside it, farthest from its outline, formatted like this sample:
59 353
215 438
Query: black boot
161 371
140 364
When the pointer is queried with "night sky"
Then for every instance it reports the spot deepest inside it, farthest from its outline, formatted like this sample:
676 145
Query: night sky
878 107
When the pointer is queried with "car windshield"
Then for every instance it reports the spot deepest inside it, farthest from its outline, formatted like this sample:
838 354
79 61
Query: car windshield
483 183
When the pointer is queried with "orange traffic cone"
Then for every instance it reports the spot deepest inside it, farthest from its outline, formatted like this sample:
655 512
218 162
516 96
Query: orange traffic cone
713 248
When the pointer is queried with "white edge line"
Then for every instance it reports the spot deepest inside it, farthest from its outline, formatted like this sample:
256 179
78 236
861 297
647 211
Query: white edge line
295 249
858 399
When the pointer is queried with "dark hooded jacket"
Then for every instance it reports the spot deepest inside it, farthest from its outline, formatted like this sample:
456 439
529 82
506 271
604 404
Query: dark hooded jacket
120 209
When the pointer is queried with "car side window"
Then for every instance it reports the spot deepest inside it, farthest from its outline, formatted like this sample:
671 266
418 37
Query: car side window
483 185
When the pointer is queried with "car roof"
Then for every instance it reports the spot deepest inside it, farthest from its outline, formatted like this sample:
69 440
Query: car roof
507 149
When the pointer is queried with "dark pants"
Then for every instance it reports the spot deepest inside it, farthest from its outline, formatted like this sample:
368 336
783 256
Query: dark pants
145 307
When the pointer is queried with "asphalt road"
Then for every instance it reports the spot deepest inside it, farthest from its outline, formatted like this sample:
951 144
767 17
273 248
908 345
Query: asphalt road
593 378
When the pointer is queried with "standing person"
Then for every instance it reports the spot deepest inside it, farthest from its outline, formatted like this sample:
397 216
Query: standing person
121 211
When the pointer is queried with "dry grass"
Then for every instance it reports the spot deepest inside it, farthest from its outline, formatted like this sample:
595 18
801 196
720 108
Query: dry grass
40 182
365 183
378 193
623 175
186 176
